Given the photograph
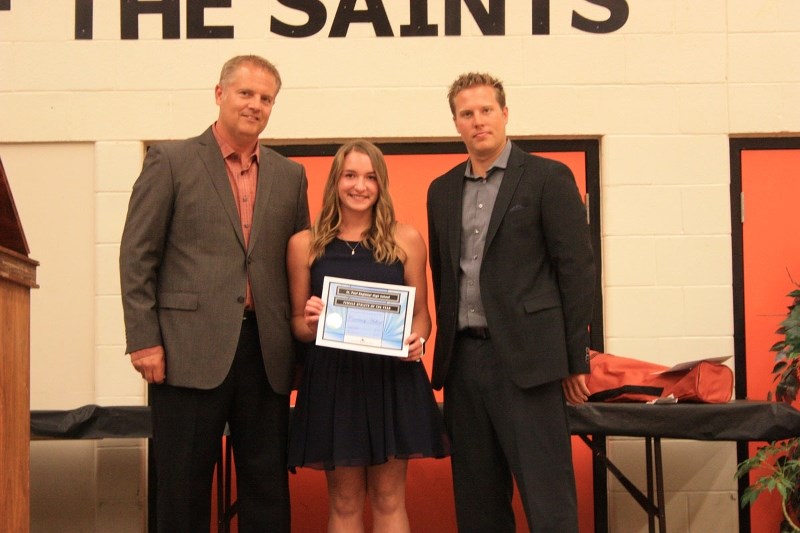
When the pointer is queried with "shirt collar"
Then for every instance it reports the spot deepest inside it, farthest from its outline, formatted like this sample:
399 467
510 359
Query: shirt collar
500 162
228 150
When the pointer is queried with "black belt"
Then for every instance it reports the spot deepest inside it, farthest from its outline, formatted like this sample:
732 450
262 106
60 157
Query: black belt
475 333
249 314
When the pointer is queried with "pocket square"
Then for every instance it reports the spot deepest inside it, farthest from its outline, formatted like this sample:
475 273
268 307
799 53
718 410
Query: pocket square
516 207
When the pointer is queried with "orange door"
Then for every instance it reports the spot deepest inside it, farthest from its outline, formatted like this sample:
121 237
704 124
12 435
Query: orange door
770 247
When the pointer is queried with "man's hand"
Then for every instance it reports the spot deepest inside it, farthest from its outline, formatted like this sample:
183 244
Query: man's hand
150 363
575 390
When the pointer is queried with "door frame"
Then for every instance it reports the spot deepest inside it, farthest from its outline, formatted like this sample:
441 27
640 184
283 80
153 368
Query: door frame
590 147
737 146
591 150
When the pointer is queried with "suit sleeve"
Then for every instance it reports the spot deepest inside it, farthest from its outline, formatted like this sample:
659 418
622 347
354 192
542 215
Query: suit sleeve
566 232
141 249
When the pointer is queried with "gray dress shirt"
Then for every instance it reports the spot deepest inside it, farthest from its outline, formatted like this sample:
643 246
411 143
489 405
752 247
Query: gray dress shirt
480 193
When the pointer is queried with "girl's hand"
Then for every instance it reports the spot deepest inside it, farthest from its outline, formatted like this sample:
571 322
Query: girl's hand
416 347
311 312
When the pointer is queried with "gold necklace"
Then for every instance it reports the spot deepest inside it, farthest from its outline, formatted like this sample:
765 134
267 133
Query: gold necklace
352 248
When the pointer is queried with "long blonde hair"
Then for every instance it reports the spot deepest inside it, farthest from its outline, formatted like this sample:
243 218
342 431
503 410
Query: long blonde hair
379 237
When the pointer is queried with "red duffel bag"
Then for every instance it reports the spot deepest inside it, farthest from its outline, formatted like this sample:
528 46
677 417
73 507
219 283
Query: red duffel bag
622 379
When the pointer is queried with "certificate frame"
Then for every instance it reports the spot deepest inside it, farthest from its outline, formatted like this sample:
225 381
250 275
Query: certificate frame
365 316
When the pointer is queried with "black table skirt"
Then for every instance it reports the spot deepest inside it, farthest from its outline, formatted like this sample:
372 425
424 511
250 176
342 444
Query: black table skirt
740 420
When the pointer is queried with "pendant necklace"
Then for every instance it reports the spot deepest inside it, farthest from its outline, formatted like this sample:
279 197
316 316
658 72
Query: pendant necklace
352 248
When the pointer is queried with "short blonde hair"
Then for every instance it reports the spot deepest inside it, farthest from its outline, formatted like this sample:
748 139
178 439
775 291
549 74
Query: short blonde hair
231 65
473 79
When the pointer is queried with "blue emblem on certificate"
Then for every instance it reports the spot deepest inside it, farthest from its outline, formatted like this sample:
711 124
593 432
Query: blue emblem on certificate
365 316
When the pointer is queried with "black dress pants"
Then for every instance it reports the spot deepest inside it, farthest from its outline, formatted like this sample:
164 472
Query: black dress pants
501 434
188 425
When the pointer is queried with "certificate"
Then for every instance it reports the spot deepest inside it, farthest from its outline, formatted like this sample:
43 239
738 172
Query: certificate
365 316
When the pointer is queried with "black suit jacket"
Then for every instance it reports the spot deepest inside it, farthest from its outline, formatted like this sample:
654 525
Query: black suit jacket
537 274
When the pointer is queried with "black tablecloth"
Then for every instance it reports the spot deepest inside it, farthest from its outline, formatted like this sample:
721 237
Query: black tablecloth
740 420
92 422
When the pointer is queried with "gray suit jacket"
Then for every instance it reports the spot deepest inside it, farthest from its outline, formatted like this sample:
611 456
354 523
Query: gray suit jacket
537 273
184 265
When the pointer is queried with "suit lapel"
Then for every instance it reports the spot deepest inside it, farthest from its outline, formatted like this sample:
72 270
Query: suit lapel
266 179
453 205
209 153
509 184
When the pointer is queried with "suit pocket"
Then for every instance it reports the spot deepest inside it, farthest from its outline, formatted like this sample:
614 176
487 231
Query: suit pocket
541 302
520 224
520 214
186 301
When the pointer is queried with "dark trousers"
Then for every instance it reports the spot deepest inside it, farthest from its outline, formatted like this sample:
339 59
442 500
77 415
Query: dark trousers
502 433
188 425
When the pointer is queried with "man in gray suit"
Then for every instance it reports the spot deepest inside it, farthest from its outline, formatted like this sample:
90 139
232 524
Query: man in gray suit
206 304
513 280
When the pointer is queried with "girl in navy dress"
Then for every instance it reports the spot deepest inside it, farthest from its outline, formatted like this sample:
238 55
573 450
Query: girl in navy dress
359 416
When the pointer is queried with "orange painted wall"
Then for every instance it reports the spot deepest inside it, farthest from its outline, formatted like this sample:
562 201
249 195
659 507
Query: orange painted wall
771 186
430 504
429 486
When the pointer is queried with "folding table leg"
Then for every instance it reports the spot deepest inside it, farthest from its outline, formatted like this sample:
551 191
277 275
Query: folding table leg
662 513
645 501
222 520
230 511
648 455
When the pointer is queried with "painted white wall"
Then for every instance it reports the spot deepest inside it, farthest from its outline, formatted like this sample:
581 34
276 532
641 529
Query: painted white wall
663 94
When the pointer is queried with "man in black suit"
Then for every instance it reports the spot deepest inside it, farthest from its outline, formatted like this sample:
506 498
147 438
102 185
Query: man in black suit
513 280
206 303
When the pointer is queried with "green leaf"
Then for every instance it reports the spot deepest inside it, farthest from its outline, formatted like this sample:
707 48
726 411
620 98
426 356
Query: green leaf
749 495
748 499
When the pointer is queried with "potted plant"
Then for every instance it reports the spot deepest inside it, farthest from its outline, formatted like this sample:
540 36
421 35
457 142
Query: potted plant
780 461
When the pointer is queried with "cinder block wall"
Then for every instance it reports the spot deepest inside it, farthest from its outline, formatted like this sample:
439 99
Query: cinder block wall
663 93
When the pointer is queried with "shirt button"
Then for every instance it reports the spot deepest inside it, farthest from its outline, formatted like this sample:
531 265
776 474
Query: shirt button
480 206
477 231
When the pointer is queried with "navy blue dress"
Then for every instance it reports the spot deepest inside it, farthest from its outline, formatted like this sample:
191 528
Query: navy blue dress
359 409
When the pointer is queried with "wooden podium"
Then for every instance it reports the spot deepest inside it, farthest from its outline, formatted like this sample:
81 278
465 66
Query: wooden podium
17 278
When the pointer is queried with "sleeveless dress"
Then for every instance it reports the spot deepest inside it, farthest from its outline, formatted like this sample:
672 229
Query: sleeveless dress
360 409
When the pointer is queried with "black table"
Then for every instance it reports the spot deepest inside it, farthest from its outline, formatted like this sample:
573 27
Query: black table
741 421
92 422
